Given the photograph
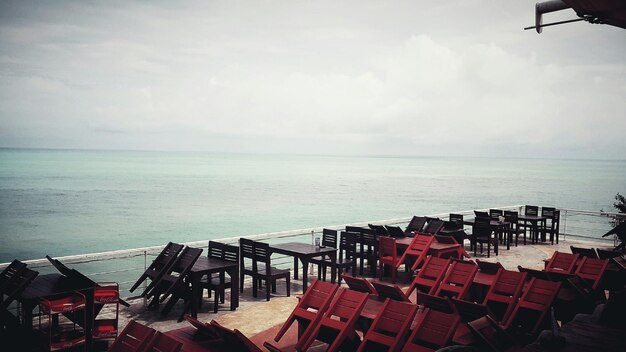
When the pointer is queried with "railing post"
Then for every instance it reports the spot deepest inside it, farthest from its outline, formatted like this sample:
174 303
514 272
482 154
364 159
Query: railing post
564 224
145 267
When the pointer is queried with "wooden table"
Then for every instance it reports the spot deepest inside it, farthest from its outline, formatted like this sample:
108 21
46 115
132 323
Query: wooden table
209 266
304 252
437 249
499 227
53 286
534 221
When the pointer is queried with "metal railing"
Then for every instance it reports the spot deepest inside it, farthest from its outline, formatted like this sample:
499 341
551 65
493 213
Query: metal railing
125 266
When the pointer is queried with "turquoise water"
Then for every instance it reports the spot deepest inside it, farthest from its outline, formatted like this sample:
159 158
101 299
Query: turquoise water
61 202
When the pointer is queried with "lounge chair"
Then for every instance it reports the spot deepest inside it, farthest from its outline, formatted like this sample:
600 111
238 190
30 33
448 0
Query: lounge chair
390 326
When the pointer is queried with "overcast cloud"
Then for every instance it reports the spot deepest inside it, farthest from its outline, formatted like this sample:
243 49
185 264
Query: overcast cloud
341 77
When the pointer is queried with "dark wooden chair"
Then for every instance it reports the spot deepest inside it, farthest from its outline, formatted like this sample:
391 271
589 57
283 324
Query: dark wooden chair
219 282
481 214
134 338
433 330
531 312
15 280
172 282
495 214
310 309
380 230
512 217
246 257
163 343
492 335
552 224
263 271
531 210
390 326
430 275
329 239
584 252
159 267
416 225
395 231
592 270
347 253
10 272
338 323
561 262
458 279
457 219
359 284
483 234
368 250
504 293
433 226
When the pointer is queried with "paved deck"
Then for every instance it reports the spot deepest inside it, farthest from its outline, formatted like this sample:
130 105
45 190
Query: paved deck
256 315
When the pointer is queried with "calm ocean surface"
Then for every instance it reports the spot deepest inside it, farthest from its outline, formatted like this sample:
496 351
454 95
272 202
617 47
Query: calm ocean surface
61 202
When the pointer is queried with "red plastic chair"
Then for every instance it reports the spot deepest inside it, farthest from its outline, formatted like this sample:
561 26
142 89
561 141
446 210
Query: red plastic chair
337 324
310 309
359 284
163 343
504 293
458 279
388 255
562 263
434 330
133 338
418 250
532 308
390 326
429 277
592 270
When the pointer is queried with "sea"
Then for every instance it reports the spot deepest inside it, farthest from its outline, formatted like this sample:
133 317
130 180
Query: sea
66 202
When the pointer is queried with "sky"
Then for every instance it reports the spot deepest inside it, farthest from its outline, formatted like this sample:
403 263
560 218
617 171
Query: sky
415 78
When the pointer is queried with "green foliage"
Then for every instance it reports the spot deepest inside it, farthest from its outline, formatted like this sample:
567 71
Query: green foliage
620 205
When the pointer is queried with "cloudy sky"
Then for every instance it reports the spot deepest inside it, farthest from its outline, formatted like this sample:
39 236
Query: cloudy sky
458 78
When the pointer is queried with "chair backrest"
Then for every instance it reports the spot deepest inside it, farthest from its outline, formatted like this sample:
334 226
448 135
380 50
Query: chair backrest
10 272
481 228
488 267
441 304
347 305
430 275
380 229
357 229
14 286
495 214
470 311
395 231
134 337
531 210
389 291
456 218
606 254
167 256
434 226
434 330
562 263
359 284
492 334
329 238
592 270
387 248
538 296
262 257
530 273
184 262
347 245
234 340
318 296
163 343
416 225
458 279
504 293
418 249
548 212
246 251
223 251
391 324
584 252
511 216
481 214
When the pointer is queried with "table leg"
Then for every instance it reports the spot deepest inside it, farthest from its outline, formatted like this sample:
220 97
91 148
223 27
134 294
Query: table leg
305 274
295 268
333 268
196 294
234 289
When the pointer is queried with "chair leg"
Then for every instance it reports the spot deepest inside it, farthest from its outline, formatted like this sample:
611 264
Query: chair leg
288 283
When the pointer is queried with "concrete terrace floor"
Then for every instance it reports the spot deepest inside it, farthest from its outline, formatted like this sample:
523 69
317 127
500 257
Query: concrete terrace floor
255 315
